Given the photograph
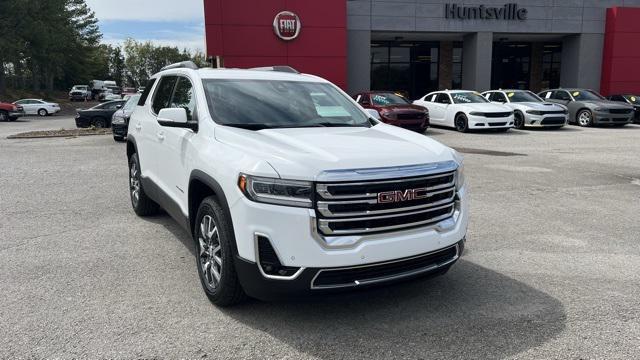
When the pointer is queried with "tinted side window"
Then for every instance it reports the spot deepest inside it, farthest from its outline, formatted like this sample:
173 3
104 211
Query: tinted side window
561 95
183 97
163 93
617 98
443 99
145 93
499 97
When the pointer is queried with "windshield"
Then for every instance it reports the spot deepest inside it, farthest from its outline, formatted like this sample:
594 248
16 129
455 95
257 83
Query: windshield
523 96
131 103
384 99
263 104
467 98
633 99
581 95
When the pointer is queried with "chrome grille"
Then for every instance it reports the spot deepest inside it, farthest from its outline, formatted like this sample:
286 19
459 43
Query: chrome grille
351 208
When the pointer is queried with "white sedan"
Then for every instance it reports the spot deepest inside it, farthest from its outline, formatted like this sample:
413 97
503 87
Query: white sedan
466 110
38 107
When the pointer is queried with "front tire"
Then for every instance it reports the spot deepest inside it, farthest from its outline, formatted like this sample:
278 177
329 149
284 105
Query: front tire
43 112
584 118
461 123
141 203
213 237
518 120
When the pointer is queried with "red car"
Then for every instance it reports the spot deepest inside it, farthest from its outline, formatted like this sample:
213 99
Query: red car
394 109
10 112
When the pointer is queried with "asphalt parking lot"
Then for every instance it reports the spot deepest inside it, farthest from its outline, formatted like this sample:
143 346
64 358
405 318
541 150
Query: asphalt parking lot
551 269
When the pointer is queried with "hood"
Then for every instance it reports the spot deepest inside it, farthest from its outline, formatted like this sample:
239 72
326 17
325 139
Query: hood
302 154
403 108
543 106
486 107
607 103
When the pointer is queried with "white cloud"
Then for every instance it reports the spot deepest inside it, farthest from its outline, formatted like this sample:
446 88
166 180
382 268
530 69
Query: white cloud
146 10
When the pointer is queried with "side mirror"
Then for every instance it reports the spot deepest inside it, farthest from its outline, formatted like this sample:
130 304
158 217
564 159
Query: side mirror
373 113
176 118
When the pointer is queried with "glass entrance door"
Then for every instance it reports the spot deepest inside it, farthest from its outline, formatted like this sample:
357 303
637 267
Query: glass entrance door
511 65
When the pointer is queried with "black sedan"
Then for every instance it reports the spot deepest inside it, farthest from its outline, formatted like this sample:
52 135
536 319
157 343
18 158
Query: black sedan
98 116
630 99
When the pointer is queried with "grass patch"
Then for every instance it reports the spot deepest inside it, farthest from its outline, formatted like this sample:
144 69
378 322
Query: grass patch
60 133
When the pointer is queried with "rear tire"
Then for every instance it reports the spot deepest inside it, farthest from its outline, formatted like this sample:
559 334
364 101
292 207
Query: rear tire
213 236
141 203
461 123
98 122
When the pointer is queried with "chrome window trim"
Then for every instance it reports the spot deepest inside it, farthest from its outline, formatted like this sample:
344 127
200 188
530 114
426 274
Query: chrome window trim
386 278
390 172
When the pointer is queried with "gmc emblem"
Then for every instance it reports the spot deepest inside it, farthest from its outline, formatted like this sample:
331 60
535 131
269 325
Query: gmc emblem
400 196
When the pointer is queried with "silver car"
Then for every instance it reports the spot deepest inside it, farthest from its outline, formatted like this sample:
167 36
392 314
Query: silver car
529 109
588 108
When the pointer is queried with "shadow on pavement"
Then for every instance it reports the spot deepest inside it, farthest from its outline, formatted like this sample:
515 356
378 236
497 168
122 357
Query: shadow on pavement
472 312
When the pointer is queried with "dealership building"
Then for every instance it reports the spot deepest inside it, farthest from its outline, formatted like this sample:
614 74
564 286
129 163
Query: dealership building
418 46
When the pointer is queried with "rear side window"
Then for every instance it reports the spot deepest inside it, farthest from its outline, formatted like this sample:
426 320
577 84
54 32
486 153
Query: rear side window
145 93
163 93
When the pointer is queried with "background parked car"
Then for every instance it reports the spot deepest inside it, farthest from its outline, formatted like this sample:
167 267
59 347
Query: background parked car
10 112
633 100
529 109
108 95
120 119
99 115
466 110
38 107
587 107
79 93
128 91
395 109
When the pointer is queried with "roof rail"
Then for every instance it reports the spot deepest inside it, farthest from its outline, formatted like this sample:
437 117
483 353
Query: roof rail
181 65
279 68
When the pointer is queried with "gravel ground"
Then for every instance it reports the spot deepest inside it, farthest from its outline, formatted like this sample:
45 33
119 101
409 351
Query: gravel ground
551 270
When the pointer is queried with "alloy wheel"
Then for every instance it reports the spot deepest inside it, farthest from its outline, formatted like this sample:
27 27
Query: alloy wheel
42 112
519 121
584 118
134 183
210 251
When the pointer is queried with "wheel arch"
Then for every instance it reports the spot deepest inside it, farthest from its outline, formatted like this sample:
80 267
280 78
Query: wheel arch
132 147
201 186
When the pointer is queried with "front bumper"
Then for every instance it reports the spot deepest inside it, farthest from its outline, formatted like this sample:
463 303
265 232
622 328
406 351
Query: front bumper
119 129
482 122
607 118
16 114
550 120
306 283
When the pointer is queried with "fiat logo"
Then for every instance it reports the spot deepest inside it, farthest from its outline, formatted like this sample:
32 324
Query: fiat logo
286 25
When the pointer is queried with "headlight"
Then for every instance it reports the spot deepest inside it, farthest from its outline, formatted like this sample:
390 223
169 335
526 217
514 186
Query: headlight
534 112
117 120
600 109
476 113
460 170
276 191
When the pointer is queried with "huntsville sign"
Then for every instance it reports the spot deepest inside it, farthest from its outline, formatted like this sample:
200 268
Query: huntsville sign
507 12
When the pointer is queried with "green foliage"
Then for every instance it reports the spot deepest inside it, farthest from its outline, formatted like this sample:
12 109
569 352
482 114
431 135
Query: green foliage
54 44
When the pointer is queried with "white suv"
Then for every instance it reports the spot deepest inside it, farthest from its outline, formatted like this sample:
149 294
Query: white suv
288 186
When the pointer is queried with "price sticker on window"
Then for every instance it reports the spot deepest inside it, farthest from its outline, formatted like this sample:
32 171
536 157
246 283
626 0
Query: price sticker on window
511 94
576 93
633 99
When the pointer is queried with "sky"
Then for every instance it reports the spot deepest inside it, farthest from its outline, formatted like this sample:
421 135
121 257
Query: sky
164 22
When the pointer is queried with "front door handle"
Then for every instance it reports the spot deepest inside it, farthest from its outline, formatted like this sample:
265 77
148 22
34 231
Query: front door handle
160 135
